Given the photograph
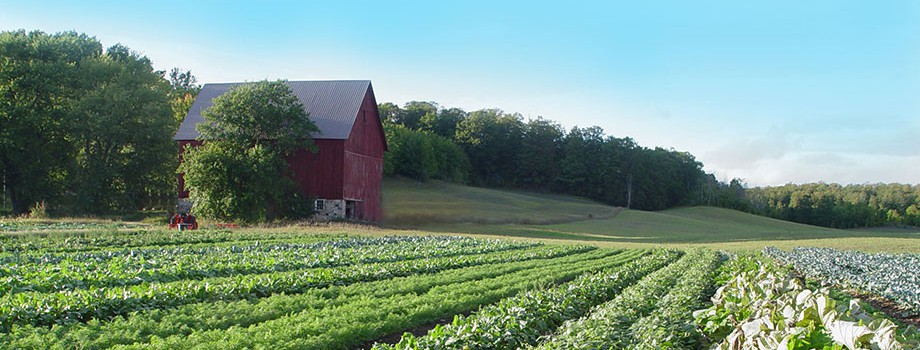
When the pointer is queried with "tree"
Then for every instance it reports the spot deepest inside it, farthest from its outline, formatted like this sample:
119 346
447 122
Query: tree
183 90
37 82
539 155
491 140
446 124
414 112
581 172
422 155
389 112
240 172
410 153
122 130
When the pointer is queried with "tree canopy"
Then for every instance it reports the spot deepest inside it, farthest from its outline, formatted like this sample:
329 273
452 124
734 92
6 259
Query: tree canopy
240 172
503 150
85 130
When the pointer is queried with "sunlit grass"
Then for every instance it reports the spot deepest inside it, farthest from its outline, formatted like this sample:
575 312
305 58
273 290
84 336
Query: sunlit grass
410 203
438 208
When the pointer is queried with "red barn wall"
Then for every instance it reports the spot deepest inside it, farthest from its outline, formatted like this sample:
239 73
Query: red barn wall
364 161
320 174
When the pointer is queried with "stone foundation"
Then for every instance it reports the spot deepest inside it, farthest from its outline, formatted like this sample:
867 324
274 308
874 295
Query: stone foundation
332 209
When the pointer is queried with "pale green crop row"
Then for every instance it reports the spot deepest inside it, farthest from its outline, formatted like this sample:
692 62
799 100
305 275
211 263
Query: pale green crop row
521 320
179 323
642 313
104 303
72 271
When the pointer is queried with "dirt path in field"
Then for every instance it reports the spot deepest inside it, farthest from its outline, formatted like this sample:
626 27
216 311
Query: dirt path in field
419 331
890 308
616 211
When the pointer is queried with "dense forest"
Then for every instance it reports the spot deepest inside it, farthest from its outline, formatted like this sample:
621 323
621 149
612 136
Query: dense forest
496 149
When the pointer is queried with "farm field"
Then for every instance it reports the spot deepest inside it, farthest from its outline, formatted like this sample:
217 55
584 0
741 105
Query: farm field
627 280
301 289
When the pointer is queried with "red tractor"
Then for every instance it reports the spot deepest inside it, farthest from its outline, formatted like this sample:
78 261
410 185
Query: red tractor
182 222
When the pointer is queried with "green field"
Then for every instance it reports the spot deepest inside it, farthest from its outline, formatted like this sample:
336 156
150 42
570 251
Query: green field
481 209
610 278
326 288
409 203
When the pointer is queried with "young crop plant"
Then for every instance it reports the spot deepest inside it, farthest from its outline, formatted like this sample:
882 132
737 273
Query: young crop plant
337 317
893 276
671 325
654 313
70 271
80 305
521 320
767 307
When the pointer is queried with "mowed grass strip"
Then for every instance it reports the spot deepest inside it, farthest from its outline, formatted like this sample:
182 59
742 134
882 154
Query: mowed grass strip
411 203
141 327
714 228
363 319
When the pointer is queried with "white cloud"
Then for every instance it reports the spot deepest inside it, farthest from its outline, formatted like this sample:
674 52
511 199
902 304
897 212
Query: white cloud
742 152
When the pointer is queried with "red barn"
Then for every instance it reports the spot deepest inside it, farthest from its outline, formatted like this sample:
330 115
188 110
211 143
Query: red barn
345 174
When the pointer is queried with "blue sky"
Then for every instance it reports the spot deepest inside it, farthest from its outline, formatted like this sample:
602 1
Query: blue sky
769 91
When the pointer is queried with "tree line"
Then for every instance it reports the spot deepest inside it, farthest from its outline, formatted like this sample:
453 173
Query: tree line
493 148
834 205
85 129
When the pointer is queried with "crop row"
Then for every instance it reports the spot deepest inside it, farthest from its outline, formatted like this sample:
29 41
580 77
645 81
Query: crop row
212 319
896 277
103 303
133 267
766 307
654 313
365 319
104 239
15 226
157 252
521 320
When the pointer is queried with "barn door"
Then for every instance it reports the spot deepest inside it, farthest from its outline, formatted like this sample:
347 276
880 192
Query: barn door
354 210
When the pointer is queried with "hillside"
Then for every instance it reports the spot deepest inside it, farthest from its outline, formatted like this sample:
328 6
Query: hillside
412 203
451 208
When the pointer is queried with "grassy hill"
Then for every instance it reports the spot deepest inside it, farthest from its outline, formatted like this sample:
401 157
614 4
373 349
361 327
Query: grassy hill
450 208
411 203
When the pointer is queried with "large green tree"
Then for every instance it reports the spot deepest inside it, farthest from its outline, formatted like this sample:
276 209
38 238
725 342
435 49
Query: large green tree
37 78
422 155
541 147
122 128
84 129
240 172
491 140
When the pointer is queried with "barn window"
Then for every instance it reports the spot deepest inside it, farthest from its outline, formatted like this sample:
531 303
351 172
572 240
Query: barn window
320 204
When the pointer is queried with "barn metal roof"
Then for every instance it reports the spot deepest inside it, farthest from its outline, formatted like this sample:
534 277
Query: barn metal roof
333 106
